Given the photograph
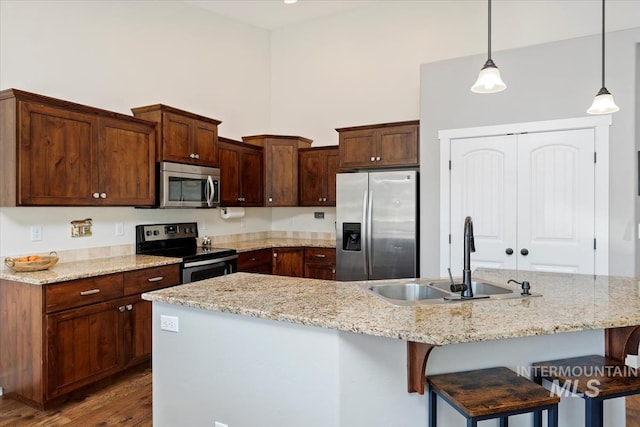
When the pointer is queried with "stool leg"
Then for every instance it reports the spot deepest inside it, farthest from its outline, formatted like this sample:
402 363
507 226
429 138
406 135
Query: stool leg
433 402
537 419
552 416
593 412
504 421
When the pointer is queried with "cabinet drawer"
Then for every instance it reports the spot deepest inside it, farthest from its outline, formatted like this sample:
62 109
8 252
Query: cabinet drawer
148 279
249 260
83 292
327 255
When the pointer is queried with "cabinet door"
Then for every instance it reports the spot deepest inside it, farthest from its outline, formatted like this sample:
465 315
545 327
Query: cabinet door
258 261
205 141
55 156
83 345
125 170
357 148
313 169
332 170
139 322
176 137
397 146
251 178
288 262
282 176
323 271
229 175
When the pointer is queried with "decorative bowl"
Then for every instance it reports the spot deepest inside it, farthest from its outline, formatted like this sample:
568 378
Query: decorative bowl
38 262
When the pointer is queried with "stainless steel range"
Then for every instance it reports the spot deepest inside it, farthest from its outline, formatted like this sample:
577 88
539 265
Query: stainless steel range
180 240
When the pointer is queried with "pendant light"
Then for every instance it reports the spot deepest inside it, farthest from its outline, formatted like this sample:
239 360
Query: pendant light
603 102
489 80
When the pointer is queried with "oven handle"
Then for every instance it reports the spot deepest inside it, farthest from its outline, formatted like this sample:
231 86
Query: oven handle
209 261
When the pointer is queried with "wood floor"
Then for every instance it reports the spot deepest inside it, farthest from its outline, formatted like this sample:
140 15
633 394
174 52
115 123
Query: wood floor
127 402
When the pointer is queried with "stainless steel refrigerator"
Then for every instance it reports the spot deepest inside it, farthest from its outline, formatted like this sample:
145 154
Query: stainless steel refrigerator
377 225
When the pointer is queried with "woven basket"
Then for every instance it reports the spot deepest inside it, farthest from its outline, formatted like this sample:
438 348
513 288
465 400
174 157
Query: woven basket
43 263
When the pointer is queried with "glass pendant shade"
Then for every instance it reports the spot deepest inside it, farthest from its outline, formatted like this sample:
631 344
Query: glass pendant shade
603 103
489 80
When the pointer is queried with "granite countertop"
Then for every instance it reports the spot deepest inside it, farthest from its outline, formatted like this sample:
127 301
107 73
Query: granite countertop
276 242
568 303
63 272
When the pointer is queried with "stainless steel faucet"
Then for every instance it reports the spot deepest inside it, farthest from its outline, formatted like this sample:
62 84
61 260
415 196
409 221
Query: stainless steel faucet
469 246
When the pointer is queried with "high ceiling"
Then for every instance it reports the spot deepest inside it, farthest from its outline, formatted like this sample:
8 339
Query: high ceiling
273 14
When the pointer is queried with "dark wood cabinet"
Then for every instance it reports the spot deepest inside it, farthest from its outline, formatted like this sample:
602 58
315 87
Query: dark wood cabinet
57 153
75 333
183 137
240 173
258 261
280 169
317 170
383 145
288 262
320 263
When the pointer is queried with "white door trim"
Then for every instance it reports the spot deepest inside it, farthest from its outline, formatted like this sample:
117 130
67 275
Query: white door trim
600 124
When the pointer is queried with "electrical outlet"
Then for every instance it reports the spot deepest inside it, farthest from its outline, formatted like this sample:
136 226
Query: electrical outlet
318 215
36 233
119 229
169 323
219 424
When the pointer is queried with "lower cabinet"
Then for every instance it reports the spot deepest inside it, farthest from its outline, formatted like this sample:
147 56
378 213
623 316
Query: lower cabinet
309 262
320 263
91 328
288 262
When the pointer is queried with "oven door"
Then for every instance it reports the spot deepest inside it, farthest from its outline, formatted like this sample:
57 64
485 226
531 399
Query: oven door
187 186
206 269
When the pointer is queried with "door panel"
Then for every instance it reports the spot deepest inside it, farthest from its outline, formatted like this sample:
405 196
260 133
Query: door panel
483 186
532 193
351 192
393 224
556 201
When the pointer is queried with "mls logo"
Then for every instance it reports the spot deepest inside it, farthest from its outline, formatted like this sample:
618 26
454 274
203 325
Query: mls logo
570 388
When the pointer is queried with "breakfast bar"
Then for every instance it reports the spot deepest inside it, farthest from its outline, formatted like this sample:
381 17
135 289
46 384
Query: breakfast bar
252 349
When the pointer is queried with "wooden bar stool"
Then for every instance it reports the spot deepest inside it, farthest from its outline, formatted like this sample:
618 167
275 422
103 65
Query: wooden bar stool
491 393
594 378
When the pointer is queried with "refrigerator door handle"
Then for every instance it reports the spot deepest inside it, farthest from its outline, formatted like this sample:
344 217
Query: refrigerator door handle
369 234
365 256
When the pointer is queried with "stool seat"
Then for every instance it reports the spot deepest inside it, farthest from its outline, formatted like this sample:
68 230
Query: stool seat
594 378
490 393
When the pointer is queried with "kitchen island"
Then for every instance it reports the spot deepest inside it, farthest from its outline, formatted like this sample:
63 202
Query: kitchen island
264 350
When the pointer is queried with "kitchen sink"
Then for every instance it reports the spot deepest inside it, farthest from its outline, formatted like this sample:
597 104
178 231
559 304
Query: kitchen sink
408 292
438 292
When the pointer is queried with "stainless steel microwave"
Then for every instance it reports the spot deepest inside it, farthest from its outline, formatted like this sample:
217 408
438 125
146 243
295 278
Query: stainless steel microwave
188 186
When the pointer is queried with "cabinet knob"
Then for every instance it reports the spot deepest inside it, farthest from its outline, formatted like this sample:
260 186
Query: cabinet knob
103 195
275 255
192 156
129 307
197 156
324 199
524 251
378 159
373 159
121 309
96 195
242 199
319 199
508 251
270 199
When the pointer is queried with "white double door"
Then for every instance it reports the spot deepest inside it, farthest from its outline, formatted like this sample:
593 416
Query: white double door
531 199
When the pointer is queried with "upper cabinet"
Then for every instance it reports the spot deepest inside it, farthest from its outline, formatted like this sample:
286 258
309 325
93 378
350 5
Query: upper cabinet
58 153
317 169
280 167
240 173
383 145
183 137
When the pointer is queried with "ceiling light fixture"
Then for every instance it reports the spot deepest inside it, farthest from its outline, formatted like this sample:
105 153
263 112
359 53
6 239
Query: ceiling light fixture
290 1
489 80
603 102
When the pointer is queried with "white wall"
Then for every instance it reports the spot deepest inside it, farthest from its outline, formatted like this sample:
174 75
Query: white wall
117 55
363 66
